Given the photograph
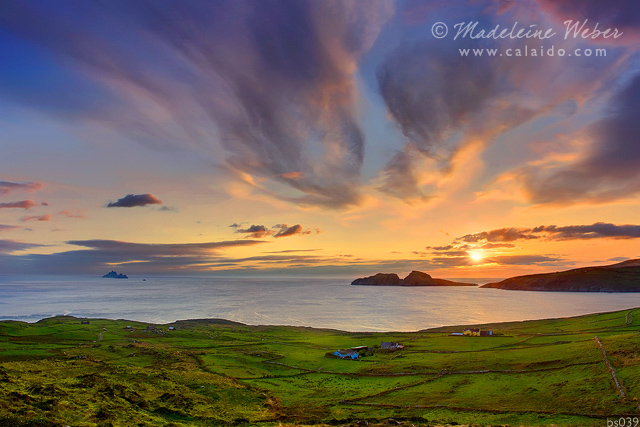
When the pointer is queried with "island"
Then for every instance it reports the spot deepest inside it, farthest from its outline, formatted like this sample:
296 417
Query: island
415 278
114 275
621 277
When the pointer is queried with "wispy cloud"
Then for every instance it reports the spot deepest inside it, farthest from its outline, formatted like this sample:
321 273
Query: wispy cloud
257 82
7 187
46 217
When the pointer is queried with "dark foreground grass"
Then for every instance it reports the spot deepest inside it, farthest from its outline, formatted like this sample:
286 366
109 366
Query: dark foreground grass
62 372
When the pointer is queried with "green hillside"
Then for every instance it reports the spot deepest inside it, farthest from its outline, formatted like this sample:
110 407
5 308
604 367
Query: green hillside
60 372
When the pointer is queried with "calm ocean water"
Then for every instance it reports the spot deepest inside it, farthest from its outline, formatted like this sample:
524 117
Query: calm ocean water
316 302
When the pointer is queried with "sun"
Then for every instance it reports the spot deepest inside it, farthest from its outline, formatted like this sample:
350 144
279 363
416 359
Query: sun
476 256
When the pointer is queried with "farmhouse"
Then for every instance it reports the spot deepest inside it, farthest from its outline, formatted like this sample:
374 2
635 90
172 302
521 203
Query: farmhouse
346 354
476 332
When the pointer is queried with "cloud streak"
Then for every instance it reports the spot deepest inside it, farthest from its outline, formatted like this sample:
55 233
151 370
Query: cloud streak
8 246
277 231
46 217
24 204
599 230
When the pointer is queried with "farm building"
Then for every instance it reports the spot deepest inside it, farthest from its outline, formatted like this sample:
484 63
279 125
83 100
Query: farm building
346 354
391 345
476 332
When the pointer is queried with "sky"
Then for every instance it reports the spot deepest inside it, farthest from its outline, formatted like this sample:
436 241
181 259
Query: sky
466 139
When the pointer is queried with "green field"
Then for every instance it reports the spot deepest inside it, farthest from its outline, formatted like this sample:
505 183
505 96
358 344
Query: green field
61 372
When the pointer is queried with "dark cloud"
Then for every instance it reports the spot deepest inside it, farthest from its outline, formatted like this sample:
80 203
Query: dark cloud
612 168
133 200
255 231
24 204
286 231
7 246
278 230
594 231
598 230
261 80
7 187
499 235
440 248
7 227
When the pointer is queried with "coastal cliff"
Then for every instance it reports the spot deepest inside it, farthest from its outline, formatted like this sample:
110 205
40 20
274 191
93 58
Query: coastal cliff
621 277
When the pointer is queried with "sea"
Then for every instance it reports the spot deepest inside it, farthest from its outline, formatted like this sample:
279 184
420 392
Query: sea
316 302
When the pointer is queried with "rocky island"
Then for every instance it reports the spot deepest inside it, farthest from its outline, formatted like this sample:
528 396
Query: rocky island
415 278
114 275
621 277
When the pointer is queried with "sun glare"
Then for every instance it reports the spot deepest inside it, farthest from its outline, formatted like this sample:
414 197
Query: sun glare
476 256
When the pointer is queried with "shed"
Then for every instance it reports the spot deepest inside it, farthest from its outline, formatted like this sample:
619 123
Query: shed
391 345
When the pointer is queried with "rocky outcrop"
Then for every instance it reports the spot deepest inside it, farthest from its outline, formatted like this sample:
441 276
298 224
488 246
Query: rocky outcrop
114 275
379 279
415 278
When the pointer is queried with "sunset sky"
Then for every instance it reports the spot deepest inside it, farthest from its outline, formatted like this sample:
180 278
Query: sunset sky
328 137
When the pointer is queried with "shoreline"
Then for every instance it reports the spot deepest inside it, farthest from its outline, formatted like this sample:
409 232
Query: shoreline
221 321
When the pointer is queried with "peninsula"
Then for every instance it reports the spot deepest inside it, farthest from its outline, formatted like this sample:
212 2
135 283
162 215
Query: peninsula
621 277
415 278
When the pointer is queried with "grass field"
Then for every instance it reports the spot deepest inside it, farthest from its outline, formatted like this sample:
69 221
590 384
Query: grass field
62 372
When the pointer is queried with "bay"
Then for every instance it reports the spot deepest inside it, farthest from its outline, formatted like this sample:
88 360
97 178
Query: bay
316 302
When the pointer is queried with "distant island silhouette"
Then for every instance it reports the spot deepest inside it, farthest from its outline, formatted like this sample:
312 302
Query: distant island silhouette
114 275
415 278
